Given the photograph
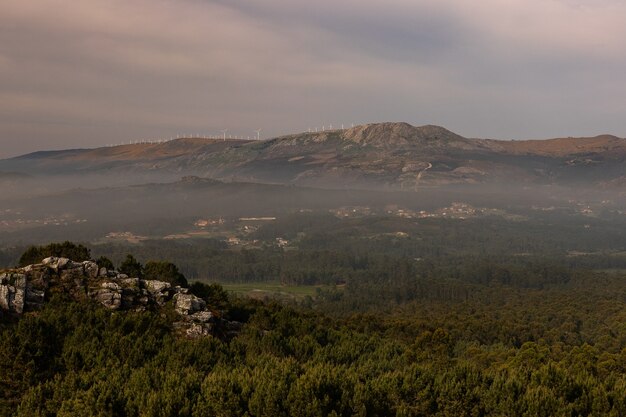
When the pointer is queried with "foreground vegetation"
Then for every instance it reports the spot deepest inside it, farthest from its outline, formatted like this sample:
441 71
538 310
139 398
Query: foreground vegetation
77 359
400 338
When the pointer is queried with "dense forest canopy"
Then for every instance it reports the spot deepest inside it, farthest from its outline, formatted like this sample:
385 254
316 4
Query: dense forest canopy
386 335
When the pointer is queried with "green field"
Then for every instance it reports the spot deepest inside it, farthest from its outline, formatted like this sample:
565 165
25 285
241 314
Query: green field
272 289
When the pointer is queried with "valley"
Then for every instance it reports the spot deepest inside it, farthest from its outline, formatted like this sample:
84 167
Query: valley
386 269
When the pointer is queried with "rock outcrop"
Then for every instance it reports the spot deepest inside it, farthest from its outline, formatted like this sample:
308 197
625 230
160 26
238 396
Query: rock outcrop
26 289
12 292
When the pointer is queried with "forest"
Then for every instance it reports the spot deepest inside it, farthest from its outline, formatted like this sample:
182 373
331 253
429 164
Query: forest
390 335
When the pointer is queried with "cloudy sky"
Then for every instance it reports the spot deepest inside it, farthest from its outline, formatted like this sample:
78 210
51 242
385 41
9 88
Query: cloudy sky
95 72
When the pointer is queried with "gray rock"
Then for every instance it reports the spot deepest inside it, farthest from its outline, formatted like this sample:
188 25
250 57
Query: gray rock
111 285
34 298
154 286
159 291
13 292
91 269
19 299
30 268
187 304
74 265
61 262
55 263
73 274
202 316
26 289
109 298
6 296
198 330
130 282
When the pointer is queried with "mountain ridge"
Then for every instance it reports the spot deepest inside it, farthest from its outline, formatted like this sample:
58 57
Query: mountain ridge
390 154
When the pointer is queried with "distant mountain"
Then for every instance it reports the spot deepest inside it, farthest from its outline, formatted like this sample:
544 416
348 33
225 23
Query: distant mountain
137 157
387 155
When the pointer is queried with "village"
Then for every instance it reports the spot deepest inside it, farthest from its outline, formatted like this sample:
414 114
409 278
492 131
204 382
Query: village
456 210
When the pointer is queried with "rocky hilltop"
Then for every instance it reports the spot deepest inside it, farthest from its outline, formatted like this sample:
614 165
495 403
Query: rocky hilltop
27 289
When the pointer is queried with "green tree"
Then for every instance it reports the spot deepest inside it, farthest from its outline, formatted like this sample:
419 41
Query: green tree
104 262
131 267
67 249
214 294
164 271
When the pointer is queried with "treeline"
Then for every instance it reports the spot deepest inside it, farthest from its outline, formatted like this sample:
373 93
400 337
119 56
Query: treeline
351 281
530 232
326 267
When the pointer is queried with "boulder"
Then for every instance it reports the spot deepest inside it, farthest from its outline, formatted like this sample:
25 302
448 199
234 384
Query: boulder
130 282
55 263
154 286
74 265
61 263
198 330
38 277
73 281
91 269
202 316
187 304
34 298
159 291
109 299
30 268
109 295
12 292
111 285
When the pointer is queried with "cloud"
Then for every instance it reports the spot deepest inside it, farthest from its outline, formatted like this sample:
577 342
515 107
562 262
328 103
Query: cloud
117 70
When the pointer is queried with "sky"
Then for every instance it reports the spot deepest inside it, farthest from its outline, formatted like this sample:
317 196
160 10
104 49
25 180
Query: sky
98 72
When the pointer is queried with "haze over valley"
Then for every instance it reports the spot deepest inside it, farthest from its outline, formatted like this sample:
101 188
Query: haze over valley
95 192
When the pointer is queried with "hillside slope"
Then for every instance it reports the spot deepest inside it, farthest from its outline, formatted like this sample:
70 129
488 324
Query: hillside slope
389 155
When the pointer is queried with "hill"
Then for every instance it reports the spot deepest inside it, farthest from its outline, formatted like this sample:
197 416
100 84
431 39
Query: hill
387 155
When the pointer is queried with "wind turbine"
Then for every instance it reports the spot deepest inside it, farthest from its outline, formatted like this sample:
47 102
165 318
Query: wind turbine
224 133
258 133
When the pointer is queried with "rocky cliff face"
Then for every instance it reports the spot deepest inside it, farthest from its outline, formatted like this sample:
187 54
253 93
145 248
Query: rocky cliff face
27 289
